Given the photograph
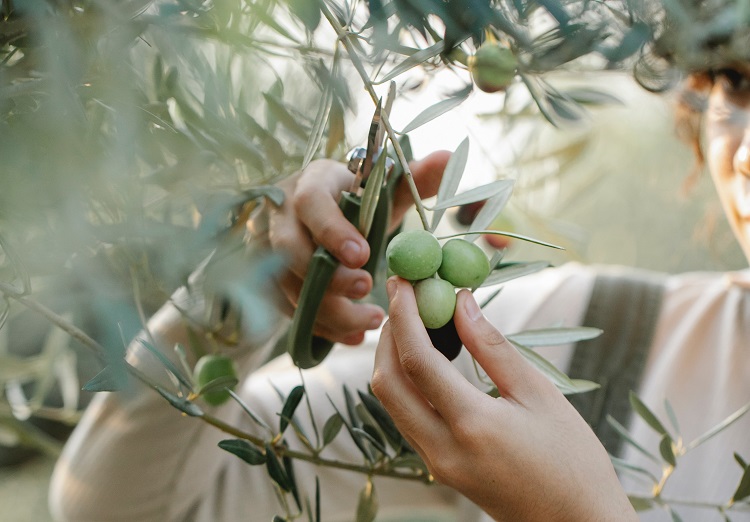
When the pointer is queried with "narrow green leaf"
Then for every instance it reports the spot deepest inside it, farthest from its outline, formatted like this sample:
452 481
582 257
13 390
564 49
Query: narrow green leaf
620 429
666 450
366 453
587 96
367 507
171 368
351 408
720 427
321 118
317 499
383 420
646 414
743 488
331 428
109 379
220 383
476 194
377 444
740 460
675 516
289 469
672 416
437 110
562 381
275 471
452 174
565 108
291 122
244 450
622 464
418 58
271 192
554 336
260 422
185 406
580 386
371 195
489 212
509 272
641 503
290 405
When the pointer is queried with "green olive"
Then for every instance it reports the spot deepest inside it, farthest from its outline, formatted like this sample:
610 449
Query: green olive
414 255
209 368
493 67
464 264
436 301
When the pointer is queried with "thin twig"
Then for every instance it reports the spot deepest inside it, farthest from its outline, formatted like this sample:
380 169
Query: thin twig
359 66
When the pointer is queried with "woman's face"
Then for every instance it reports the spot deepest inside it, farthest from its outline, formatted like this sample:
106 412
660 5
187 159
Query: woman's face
727 127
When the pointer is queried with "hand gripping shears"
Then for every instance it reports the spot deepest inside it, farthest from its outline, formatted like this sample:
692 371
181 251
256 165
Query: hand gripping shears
367 205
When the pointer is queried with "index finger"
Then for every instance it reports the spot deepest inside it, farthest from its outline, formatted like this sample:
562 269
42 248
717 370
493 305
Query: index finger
437 379
316 206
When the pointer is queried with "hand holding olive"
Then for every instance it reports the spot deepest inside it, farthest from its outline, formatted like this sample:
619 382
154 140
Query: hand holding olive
310 216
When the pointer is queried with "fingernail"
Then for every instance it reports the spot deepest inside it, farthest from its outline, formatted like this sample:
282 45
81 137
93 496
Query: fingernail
472 308
390 288
351 252
359 289
375 322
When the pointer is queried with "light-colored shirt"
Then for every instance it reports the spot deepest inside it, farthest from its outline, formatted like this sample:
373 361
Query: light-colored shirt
135 458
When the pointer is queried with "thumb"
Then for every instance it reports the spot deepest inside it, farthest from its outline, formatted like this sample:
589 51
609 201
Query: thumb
512 374
427 174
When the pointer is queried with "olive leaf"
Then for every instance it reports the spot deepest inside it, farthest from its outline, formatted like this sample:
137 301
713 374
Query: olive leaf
476 194
452 174
290 405
489 213
511 271
418 58
219 384
110 378
743 488
623 432
554 336
260 422
367 506
321 118
275 470
244 450
719 427
740 460
168 365
438 109
564 383
646 414
667 450
641 503
672 416
331 428
371 195
184 405
289 469
383 420
622 464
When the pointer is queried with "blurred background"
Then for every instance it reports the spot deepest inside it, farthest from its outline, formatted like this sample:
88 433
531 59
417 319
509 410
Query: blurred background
133 134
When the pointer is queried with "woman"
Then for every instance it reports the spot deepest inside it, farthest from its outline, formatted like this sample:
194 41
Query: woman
697 359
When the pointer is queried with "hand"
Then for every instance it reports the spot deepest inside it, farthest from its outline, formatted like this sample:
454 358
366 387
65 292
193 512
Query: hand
525 456
310 216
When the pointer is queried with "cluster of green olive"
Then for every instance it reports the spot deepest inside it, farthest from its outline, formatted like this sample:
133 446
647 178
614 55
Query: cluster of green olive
436 271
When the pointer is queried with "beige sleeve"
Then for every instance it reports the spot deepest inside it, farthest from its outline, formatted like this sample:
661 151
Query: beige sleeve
135 458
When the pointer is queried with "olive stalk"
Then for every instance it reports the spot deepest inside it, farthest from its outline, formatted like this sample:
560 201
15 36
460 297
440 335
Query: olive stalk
359 66
381 470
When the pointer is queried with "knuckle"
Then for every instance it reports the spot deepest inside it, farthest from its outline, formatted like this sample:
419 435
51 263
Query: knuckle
412 361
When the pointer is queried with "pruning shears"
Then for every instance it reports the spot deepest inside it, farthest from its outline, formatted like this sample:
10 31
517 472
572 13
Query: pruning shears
367 205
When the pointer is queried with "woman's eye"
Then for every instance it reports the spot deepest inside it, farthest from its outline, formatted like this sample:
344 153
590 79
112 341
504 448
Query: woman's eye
733 81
